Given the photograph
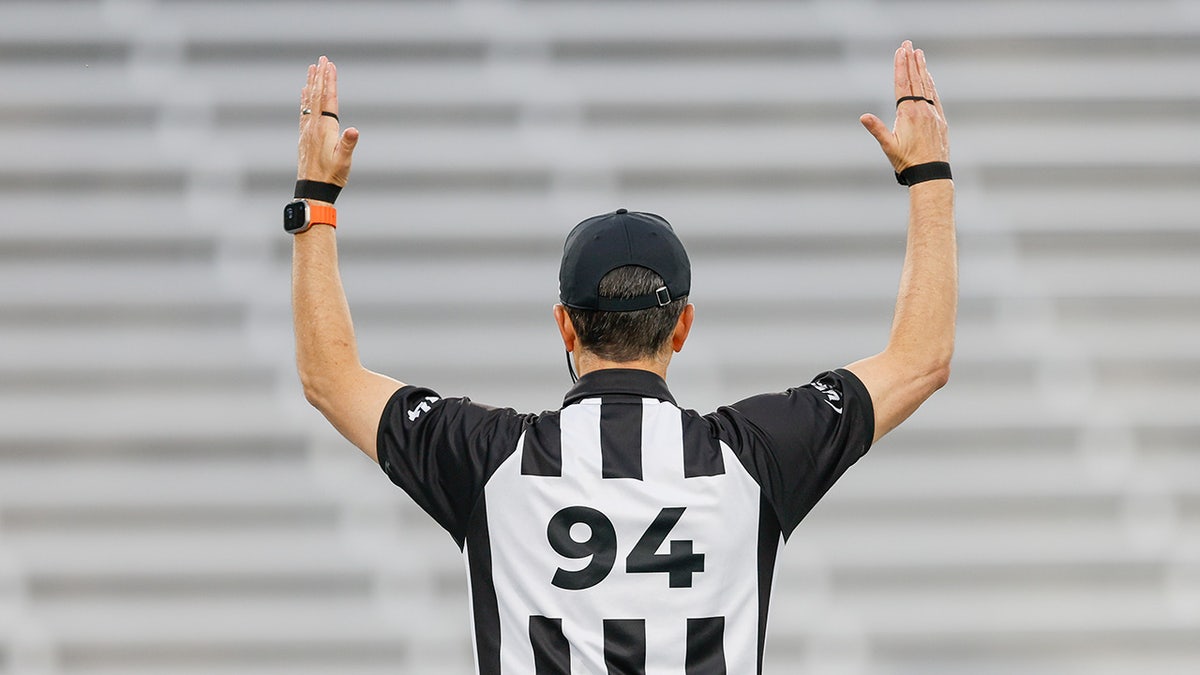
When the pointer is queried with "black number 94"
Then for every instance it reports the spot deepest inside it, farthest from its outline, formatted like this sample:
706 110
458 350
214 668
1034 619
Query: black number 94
679 563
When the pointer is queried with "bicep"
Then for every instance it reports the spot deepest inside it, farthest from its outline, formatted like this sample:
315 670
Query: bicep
354 403
896 387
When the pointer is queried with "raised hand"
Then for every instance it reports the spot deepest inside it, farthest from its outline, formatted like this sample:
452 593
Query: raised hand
324 154
919 135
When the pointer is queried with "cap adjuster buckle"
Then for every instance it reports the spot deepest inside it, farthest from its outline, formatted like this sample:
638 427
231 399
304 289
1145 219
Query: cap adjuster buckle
664 297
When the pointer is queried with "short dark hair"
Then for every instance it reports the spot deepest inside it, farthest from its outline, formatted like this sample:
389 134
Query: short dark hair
627 336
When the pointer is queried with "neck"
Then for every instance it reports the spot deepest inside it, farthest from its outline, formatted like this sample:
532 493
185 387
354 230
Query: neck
586 362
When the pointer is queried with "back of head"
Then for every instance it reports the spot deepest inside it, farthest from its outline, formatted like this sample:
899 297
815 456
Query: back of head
632 335
624 280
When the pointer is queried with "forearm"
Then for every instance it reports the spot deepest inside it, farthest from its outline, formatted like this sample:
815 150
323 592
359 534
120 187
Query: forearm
916 361
325 345
926 306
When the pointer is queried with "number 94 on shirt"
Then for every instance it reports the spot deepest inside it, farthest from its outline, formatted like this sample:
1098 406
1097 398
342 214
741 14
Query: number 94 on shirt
585 533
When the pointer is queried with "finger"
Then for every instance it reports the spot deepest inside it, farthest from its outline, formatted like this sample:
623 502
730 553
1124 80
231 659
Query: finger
306 91
901 75
914 72
930 87
937 100
880 131
926 81
330 103
318 94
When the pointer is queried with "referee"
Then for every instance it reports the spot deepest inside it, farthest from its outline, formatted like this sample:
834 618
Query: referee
623 533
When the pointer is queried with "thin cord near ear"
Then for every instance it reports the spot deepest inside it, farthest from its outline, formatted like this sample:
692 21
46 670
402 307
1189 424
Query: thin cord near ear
571 369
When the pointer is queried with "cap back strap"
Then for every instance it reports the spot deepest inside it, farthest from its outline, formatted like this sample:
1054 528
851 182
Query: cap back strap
659 298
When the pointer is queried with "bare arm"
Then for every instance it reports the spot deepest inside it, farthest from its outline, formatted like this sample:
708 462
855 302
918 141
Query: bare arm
916 361
335 382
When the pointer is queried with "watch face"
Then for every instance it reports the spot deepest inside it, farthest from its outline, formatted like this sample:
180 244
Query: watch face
295 217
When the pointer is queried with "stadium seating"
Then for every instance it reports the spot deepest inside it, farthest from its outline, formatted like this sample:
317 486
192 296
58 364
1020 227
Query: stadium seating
169 504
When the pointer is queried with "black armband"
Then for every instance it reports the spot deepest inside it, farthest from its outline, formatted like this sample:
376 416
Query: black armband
920 173
311 189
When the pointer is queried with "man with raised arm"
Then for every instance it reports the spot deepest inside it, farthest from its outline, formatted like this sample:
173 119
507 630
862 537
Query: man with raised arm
623 533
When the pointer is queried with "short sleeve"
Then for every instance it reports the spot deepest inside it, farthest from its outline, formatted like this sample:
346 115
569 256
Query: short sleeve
797 443
442 451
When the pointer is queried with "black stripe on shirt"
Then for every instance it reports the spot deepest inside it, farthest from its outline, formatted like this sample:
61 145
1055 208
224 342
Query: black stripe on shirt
551 651
706 646
701 448
484 604
541 454
768 548
621 437
625 646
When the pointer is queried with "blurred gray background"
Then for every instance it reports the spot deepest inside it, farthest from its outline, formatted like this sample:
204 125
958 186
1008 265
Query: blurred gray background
170 505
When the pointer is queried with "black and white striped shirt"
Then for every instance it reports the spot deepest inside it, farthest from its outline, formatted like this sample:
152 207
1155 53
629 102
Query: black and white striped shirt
621 533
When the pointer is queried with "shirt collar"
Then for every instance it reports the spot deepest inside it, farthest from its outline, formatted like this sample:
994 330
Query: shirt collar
619 381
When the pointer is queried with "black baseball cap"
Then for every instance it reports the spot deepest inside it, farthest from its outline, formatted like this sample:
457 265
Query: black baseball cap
603 243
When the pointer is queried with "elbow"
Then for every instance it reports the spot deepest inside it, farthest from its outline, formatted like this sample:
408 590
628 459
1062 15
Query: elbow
315 390
937 372
312 396
939 376
327 388
928 370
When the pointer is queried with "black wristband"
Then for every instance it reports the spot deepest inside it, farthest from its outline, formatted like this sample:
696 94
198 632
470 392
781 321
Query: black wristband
322 192
920 173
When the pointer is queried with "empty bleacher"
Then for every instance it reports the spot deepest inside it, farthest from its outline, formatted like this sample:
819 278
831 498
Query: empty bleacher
169 504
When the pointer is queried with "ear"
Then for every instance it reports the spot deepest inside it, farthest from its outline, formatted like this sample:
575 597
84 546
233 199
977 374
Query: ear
565 328
683 327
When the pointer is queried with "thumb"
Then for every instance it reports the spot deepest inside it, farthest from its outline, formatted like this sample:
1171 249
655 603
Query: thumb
879 130
345 146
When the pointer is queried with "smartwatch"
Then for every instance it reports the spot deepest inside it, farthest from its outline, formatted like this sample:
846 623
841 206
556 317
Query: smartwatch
300 215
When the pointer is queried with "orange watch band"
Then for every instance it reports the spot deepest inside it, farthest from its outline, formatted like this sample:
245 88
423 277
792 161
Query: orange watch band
322 214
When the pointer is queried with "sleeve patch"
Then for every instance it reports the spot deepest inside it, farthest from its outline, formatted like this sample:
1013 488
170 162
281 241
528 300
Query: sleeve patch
832 396
421 408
